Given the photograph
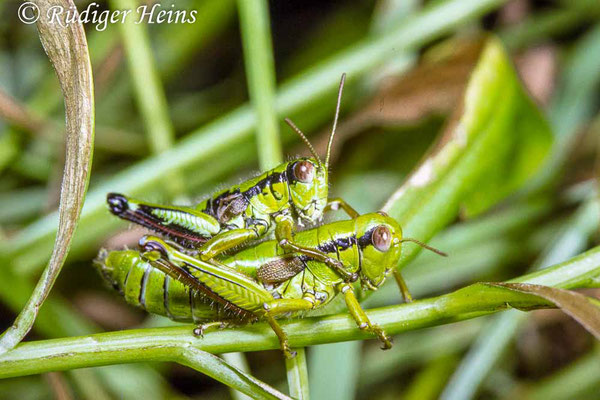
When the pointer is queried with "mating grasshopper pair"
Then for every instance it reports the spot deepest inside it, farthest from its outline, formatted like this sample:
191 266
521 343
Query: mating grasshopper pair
188 277
259 282
293 193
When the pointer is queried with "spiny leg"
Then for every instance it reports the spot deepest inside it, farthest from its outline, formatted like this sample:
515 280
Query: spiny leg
220 283
284 232
337 203
223 284
402 286
183 224
361 318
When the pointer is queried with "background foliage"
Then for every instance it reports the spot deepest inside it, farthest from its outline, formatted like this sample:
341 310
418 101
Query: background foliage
436 129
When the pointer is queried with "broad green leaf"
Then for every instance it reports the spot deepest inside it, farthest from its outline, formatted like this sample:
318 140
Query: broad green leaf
496 136
520 152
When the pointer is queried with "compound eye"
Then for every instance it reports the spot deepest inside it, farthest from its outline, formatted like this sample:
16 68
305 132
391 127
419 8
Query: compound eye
304 171
382 238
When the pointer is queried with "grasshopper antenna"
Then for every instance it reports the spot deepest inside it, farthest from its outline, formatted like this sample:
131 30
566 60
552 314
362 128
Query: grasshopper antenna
335 119
305 139
423 245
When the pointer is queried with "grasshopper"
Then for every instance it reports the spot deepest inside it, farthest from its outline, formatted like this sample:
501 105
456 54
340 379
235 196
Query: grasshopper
292 194
263 282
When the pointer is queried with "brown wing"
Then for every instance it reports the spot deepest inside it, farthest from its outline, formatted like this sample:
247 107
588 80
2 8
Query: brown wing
280 270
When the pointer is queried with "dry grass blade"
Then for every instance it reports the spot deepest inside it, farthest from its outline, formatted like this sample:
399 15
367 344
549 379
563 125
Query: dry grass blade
574 304
66 47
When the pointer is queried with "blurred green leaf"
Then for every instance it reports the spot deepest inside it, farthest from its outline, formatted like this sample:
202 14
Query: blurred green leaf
9 149
580 380
521 151
497 126
430 381
148 89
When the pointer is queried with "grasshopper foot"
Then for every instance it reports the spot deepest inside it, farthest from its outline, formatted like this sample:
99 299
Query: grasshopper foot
386 341
201 329
288 352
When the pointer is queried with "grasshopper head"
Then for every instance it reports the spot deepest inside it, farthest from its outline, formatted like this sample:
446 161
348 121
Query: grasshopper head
379 237
307 179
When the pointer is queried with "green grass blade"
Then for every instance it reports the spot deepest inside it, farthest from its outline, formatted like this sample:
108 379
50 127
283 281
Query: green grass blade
297 375
149 92
335 362
260 72
218 369
237 360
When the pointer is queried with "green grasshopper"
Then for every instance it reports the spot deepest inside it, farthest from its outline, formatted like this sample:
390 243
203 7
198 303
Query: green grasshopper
263 282
291 194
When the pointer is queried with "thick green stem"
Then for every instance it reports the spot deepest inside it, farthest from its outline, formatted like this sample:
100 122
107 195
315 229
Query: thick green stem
166 344
175 343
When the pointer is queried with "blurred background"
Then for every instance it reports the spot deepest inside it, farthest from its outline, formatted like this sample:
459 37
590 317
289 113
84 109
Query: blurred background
391 115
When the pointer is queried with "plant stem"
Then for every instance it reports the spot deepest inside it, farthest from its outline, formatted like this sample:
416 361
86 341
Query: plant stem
237 360
218 369
297 375
166 344
260 71
498 333
178 344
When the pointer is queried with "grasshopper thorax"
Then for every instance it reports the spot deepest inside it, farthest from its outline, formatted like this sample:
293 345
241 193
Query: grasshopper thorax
307 182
